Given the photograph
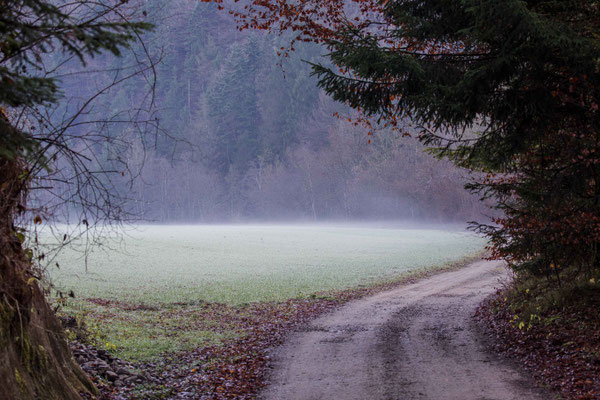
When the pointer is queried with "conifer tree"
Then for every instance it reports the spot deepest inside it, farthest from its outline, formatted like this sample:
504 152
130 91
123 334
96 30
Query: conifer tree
233 110
510 88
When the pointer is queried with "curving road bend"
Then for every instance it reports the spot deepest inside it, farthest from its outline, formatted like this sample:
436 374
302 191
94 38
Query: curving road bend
414 342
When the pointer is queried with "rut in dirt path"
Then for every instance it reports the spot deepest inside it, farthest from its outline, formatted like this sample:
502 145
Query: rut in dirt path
414 342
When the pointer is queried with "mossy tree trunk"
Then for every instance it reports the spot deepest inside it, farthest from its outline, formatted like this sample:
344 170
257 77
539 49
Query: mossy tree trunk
35 360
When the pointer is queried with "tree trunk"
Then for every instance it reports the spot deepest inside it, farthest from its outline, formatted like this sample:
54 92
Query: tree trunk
35 359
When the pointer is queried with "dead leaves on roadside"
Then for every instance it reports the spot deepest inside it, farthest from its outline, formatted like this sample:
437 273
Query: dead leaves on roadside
563 355
237 367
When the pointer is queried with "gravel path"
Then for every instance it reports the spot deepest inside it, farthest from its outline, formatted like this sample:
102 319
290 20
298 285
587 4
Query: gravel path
414 342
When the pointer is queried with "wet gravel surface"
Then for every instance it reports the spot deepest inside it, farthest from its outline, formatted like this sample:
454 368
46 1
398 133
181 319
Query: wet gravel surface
418 341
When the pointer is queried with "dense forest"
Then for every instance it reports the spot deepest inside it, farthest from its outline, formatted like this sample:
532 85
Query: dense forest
245 134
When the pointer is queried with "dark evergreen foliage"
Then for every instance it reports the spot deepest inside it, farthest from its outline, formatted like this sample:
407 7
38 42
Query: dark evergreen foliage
509 87
233 110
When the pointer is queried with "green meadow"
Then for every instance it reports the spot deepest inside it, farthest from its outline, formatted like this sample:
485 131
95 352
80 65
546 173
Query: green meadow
237 264
172 271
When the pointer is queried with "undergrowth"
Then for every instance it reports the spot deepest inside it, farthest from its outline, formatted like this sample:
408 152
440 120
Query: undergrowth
553 330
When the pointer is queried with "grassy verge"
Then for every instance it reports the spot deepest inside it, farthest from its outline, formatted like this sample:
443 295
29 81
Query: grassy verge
211 348
553 331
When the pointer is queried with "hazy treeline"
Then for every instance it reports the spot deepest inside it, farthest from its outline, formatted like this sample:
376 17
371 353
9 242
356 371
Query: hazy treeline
246 139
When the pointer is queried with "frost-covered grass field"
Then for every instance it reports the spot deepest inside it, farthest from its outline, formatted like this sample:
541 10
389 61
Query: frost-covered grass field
237 264
154 292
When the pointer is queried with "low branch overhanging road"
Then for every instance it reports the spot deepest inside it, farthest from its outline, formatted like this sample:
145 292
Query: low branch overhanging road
414 342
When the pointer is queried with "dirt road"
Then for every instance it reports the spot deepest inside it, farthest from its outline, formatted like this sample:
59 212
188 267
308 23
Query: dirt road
414 342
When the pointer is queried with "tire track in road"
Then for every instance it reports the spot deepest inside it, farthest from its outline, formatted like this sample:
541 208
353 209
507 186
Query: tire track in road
414 342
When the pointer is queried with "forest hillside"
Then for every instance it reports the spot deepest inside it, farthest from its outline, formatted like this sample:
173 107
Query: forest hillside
247 135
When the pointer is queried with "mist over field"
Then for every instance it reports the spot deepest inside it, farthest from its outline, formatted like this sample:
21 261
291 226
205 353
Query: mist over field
236 264
254 185
255 189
